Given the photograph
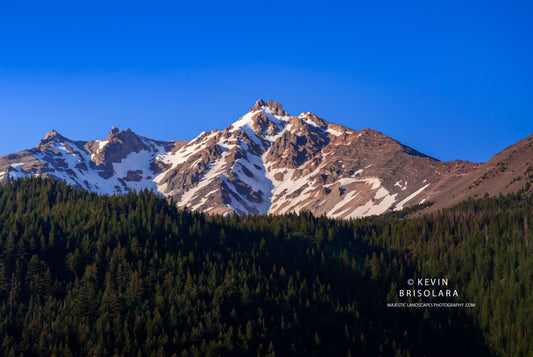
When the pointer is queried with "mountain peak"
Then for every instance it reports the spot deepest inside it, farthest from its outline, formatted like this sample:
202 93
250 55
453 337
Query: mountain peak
51 138
275 107
51 134
117 134
113 130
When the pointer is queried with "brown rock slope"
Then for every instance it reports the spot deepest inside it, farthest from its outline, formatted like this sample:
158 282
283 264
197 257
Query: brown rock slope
509 171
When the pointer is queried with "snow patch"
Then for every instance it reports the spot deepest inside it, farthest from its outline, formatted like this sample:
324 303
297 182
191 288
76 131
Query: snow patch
380 203
334 131
346 181
399 184
102 144
312 123
374 181
341 204
400 205
370 208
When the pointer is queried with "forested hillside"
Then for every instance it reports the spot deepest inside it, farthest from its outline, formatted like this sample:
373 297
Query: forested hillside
83 274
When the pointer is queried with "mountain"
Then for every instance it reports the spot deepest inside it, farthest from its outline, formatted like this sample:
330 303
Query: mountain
266 162
118 164
509 171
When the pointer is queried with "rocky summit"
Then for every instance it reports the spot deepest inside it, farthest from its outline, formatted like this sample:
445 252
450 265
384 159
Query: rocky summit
266 162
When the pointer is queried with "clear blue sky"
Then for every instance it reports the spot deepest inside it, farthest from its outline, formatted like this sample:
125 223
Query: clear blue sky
453 79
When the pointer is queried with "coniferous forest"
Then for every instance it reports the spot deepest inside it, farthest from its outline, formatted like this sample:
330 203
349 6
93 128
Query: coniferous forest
131 275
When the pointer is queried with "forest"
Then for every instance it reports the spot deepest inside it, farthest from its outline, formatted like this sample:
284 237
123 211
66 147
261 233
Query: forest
83 274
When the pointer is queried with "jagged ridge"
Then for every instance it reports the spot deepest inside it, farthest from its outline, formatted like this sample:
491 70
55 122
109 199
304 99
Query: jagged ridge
266 162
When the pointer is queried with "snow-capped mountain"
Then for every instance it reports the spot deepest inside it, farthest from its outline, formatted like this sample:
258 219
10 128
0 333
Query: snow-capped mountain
266 162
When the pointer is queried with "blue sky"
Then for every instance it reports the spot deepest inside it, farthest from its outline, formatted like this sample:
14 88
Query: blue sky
451 79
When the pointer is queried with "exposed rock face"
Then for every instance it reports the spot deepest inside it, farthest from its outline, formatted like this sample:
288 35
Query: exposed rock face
265 162
274 107
117 146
